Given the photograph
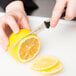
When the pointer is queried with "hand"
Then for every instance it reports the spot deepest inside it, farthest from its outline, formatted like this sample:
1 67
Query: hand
59 8
15 17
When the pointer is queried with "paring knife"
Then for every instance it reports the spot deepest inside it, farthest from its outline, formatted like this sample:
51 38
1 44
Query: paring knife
43 26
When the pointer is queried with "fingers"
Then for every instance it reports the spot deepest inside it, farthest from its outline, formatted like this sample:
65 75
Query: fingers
7 20
12 23
58 10
24 22
71 12
3 38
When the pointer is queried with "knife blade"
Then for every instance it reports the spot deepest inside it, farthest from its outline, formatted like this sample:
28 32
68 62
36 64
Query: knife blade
41 27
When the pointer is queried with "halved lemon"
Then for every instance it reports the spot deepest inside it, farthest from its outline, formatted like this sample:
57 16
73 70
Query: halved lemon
53 70
44 63
27 49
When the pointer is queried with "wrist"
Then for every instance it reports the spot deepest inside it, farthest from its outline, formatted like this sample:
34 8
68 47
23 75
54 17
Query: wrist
15 5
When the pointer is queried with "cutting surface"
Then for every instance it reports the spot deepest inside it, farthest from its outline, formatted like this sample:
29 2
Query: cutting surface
60 42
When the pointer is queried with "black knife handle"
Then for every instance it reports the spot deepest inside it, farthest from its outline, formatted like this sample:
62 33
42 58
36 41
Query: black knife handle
47 24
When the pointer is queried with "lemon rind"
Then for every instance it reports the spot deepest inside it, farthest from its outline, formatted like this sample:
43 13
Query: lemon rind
42 69
53 72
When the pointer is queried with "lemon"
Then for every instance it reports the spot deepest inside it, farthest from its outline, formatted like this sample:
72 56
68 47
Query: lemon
44 63
53 70
27 49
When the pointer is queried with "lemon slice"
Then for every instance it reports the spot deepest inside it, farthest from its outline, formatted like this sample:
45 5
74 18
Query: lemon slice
44 63
27 49
53 70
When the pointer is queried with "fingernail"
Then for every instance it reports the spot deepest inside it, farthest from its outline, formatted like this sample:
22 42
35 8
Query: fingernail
65 18
52 24
68 18
28 27
16 31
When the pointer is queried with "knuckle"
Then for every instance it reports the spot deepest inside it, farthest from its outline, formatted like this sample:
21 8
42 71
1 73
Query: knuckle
21 15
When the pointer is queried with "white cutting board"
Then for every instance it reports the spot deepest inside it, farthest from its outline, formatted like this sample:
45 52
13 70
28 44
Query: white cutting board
60 42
